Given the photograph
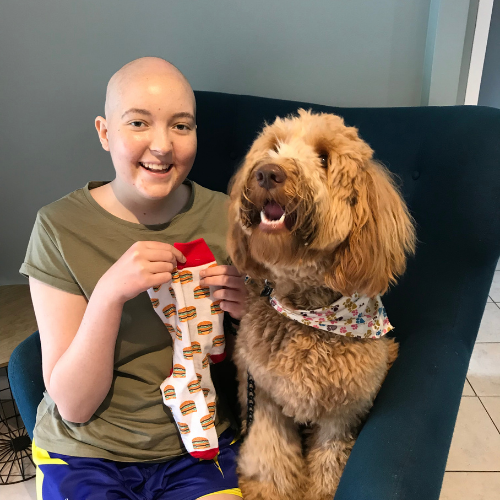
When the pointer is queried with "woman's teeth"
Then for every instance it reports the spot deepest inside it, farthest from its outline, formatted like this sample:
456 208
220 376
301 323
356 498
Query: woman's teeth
155 167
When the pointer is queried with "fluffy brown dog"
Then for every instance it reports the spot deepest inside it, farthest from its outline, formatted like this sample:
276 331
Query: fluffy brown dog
333 224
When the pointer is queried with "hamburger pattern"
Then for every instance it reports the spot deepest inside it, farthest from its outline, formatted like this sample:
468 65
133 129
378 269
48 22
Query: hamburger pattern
193 318
183 428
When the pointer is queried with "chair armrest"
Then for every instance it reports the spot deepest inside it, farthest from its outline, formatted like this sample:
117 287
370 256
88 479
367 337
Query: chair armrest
26 379
402 450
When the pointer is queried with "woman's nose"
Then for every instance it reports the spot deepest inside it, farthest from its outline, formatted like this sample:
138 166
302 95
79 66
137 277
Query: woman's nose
161 143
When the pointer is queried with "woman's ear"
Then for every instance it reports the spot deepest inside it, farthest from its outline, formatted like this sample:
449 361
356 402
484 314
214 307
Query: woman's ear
102 131
383 234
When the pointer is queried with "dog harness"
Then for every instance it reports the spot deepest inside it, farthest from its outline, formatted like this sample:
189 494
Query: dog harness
356 316
194 320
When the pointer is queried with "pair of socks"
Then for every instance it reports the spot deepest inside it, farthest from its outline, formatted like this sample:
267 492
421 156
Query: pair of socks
194 319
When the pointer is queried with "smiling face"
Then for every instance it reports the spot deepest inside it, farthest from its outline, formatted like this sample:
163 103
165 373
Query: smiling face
298 190
309 200
149 129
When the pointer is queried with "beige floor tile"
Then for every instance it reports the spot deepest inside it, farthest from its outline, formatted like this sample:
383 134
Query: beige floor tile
20 491
489 300
489 331
476 441
484 369
495 287
17 321
468 389
492 405
471 486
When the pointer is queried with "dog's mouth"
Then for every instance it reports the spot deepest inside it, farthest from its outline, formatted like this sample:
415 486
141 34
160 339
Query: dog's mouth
274 218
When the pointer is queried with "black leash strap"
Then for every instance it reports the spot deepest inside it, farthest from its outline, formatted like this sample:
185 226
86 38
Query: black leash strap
250 400
250 381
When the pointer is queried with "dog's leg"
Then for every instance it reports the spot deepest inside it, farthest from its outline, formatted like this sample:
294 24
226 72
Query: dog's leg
328 451
331 442
270 463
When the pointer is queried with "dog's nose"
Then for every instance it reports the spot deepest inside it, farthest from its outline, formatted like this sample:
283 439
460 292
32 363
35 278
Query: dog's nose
268 176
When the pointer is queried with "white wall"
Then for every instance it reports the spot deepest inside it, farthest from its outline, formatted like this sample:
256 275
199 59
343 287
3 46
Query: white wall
489 94
450 36
482 29
57 57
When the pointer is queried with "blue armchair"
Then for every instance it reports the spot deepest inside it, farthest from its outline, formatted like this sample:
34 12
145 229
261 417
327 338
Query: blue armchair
448 162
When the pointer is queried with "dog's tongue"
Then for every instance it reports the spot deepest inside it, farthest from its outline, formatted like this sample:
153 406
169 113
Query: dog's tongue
273 211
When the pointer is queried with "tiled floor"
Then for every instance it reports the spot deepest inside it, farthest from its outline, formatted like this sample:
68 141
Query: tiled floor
473 468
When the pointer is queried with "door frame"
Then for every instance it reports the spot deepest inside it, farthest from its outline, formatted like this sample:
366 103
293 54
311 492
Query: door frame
478 53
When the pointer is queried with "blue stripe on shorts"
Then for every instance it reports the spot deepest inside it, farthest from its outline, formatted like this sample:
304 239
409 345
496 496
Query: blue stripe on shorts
183 478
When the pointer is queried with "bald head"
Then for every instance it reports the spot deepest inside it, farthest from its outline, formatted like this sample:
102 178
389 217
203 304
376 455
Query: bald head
146 71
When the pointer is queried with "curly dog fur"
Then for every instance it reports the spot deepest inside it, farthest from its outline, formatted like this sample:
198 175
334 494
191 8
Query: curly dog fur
346 230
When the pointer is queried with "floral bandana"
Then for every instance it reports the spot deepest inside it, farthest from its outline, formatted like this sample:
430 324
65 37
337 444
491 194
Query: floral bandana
350 316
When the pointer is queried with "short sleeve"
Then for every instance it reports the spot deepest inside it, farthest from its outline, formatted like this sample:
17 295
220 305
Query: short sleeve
45 262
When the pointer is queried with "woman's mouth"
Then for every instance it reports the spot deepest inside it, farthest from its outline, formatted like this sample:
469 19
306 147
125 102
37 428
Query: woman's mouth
156 168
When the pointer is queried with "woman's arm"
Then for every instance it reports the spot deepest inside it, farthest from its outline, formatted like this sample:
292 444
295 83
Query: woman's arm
78 338
78 343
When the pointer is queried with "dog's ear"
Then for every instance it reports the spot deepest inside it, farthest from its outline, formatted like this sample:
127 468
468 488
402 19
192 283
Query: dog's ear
383 234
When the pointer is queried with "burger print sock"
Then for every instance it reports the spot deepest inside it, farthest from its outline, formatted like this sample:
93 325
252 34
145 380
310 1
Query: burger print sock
194 320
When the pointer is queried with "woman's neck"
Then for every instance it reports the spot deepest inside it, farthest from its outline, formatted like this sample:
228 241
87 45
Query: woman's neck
152 213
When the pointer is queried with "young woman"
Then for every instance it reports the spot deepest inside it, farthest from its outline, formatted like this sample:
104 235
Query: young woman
102 430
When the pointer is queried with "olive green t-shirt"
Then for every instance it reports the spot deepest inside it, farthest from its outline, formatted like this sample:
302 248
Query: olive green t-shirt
73 243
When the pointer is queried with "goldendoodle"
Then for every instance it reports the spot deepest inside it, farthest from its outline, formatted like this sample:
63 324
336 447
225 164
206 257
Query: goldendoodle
312 213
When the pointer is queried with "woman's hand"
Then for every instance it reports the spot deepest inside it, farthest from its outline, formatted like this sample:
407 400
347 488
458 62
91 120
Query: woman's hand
143 265
233 292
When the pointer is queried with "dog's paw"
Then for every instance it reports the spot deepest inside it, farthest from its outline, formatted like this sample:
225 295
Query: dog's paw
257 490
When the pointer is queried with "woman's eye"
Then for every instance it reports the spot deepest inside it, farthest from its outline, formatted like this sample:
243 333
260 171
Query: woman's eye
182 126
137 124
324 160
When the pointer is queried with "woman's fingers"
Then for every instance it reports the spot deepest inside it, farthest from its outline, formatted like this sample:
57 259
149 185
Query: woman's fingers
233 308
160 250
164 255
224 280
160 267
229 294
220 270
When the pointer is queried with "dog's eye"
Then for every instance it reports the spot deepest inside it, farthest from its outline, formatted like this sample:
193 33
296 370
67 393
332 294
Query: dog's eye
324 160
